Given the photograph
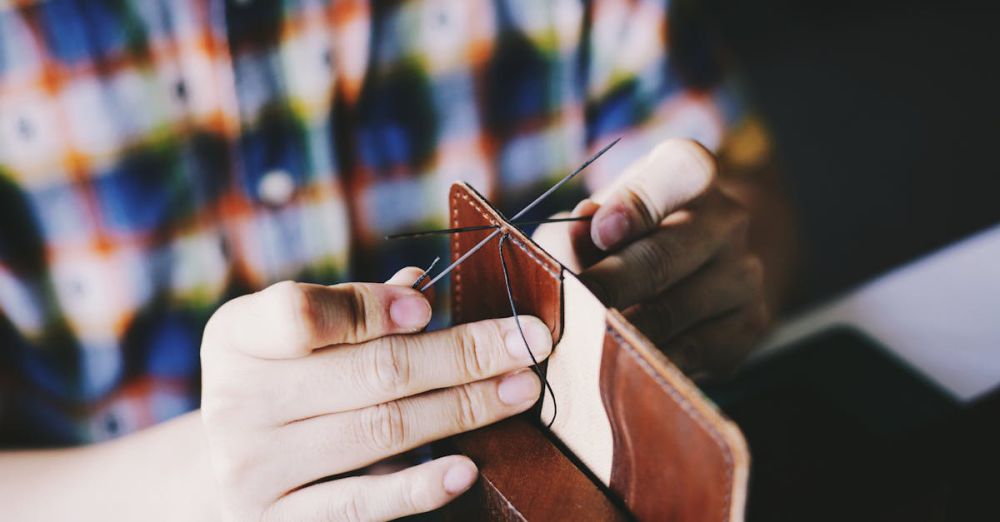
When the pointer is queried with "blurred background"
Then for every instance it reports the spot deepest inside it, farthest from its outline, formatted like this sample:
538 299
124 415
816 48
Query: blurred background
886 117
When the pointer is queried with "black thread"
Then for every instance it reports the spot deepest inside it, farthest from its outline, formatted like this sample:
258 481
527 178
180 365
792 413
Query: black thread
517 321
517 216
503 262
405 235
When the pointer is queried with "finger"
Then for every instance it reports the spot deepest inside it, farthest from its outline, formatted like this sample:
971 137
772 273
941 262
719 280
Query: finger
669 177
586 251
685 241
719 345
419 489
405 276
409 275
289 320
348 377
720 287
376 432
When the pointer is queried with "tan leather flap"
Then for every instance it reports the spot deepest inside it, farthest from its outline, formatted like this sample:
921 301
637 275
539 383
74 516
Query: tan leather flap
630 416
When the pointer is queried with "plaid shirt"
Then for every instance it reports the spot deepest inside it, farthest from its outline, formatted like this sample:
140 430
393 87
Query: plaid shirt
158 157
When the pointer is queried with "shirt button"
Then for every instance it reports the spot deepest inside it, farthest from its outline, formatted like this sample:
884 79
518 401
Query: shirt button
180 90
276 187
443 19
112 425
25 129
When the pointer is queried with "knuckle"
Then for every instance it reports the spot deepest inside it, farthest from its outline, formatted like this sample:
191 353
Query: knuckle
655 259
467 410
475 349
350 510
384 427
693 152
415 498
390 367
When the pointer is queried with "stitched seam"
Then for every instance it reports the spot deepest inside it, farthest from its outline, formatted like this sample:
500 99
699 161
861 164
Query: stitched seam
457 293
688 409
522 246
532 255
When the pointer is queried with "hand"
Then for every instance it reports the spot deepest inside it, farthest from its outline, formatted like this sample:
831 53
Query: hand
668 248
306 382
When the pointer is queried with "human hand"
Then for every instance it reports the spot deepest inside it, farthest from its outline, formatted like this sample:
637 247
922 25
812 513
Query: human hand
304 382
668 248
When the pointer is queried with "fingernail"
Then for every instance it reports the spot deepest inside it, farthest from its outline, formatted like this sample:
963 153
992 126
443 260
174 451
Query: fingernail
459 477
519 388
410 311
538 337
611 229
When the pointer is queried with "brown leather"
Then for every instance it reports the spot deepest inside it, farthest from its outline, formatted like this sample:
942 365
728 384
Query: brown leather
525 477
673 455
478 290
670 460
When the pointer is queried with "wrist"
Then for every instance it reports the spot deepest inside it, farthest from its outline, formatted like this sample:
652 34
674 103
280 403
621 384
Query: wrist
162 473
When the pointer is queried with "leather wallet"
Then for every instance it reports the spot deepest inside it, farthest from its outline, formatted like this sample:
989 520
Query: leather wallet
632 437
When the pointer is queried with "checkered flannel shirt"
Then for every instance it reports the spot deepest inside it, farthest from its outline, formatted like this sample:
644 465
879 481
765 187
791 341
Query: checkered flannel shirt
158 157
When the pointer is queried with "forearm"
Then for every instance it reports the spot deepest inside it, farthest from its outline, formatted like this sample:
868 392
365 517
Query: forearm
162 473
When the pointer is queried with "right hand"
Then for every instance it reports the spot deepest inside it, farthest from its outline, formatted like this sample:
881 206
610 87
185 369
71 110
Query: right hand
302 382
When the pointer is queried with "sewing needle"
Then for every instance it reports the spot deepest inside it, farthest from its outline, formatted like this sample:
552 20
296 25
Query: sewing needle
523 211
408 235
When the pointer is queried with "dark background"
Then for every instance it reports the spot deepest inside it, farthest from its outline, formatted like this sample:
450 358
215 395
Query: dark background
885 116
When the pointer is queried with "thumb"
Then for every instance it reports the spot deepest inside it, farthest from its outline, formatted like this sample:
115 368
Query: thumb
584 248
664 180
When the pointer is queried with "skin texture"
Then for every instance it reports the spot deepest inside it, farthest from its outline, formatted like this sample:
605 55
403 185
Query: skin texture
343 379
668 245
303 382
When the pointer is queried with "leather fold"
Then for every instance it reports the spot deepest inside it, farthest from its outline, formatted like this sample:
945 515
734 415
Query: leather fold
632 435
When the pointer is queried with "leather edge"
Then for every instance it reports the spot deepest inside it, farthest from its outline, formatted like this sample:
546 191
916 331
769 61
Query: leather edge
518 238
725 432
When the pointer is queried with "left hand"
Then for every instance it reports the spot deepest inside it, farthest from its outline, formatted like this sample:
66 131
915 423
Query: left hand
669 249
